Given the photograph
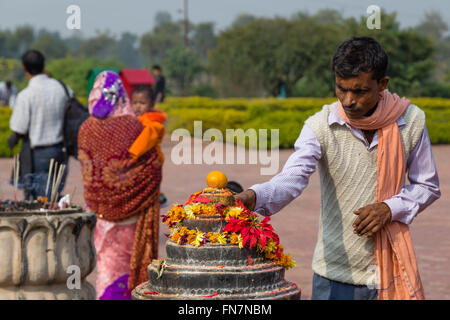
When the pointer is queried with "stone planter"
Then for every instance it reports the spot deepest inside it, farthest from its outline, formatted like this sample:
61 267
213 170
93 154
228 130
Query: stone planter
41 251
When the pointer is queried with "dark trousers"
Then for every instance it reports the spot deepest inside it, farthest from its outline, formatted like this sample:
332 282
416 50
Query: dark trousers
326 289
35 183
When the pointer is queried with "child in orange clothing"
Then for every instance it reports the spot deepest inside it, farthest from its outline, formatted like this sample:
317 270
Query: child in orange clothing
153 121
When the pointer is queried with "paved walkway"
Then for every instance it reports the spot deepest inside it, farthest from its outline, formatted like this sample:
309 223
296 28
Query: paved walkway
297 224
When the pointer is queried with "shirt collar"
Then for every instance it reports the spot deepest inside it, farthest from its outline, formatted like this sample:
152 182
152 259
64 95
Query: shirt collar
37 78
334 117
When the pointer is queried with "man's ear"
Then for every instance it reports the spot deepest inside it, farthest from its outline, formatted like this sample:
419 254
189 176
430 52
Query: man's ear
383 83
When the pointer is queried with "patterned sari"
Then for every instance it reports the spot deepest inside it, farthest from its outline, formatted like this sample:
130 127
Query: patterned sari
122 191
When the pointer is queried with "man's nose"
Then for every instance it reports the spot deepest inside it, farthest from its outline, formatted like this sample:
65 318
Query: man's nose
349 99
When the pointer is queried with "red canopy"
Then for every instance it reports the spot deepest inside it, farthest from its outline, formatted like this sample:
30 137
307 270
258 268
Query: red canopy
131 78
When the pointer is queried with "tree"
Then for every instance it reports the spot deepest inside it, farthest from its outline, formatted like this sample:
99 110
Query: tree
162 17
432 26
102 46
273 52
128 52
155 44
242 20
182 65
50 44
203 39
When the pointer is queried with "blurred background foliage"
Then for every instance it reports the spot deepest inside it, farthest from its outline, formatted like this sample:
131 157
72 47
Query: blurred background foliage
253 57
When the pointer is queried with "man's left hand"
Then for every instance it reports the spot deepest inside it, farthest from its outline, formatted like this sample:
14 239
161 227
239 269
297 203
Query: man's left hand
371 219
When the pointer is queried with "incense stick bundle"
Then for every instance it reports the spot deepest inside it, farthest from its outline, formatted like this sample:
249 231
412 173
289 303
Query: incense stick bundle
54 178
49 176
16 171
55 192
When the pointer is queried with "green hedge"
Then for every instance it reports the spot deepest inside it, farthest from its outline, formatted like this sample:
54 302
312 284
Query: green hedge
288 115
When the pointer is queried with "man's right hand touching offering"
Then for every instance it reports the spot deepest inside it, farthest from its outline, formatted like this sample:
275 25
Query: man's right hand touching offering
248 198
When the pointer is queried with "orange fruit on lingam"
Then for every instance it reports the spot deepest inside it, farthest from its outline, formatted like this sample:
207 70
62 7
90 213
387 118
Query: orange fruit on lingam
216 179
217 192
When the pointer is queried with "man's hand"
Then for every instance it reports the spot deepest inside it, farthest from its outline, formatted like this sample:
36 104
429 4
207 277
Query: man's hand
371 219
248 198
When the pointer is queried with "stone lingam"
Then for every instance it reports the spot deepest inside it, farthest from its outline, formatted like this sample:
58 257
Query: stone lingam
213 269
45 254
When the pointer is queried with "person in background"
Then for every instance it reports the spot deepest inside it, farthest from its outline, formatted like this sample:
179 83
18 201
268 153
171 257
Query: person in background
39 115
122 191
153 121
160 86
8 94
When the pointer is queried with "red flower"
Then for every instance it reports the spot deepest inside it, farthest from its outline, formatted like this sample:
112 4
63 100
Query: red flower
201 199
212 295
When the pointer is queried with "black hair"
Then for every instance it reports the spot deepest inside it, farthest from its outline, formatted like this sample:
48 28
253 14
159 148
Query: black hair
8 84
157 67
360 54
144 88
33 61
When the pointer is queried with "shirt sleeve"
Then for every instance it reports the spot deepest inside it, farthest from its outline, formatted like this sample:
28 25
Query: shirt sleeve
423 189
284 187
20 118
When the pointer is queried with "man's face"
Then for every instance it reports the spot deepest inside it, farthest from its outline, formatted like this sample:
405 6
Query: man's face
360 94
156 72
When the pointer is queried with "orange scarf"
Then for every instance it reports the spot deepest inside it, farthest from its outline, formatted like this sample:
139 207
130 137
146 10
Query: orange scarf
152 134
394 253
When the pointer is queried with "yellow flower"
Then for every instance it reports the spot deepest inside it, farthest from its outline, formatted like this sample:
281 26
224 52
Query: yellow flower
189 212
233 212
240 241
183 231
198 239
222 238
270 247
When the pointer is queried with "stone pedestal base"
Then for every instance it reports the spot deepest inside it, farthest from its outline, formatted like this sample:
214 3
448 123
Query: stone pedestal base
50 292
40 251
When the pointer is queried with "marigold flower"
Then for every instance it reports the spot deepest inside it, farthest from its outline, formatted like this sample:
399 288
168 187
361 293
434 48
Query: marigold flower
191 238
176 237
286 261
213 238
234 238
233 212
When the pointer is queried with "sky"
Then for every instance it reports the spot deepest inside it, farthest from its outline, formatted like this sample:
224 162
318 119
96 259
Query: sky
137 16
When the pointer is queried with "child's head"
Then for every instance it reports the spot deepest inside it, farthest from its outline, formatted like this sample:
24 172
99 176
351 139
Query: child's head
142 99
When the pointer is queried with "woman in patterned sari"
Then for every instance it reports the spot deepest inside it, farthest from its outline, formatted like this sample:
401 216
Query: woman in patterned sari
122 191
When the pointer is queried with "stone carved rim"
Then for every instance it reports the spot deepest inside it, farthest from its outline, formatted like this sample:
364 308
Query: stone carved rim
37 212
